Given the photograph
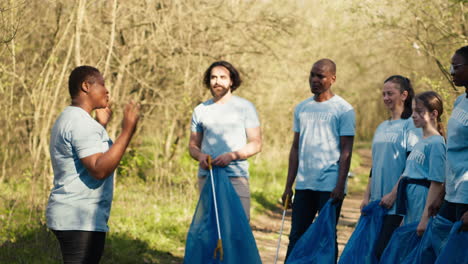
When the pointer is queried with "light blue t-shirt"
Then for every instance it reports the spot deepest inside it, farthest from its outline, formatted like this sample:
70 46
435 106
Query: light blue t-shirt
224 130
320 126
426 161
456 184
393 139
77 200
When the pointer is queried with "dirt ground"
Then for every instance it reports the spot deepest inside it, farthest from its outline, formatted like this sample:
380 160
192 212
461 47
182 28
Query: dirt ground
267 226
266 230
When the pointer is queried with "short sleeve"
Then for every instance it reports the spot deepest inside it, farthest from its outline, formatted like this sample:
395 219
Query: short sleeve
195 126
412 135
458 100
87 138
296 123
251 116
347 123
437 157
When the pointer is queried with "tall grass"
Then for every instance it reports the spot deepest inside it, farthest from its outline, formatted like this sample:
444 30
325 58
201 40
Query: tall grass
147 225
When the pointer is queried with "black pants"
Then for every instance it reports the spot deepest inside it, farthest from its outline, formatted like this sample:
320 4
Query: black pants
452 211
305 206
84 247
389 224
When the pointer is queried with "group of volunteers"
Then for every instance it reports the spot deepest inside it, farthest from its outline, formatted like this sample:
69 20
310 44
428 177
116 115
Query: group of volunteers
418 171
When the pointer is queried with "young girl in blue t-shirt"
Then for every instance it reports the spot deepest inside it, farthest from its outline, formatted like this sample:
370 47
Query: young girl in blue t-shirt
422 181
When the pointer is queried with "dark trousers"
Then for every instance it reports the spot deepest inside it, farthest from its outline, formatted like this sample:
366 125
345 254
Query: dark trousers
83 247
452 211
389 224
304 208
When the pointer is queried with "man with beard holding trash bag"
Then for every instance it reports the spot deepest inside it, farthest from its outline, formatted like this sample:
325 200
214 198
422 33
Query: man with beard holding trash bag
225 131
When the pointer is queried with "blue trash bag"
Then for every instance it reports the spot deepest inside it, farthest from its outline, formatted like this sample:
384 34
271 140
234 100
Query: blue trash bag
432 242
317 244
237 239
403 241
360 247
455 248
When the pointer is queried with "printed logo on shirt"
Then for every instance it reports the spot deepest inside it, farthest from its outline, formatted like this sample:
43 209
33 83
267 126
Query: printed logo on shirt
386 138
460 115
312 116
417 156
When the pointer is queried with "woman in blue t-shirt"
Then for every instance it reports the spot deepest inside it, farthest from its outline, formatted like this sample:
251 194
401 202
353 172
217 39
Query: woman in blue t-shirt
393 140
84 159
424 174
454 206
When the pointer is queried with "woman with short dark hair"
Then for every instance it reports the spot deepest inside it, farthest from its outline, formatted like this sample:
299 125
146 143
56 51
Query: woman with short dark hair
455 203
84 159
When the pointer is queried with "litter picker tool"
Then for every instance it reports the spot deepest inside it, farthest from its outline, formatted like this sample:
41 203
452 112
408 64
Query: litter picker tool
219 245
286 204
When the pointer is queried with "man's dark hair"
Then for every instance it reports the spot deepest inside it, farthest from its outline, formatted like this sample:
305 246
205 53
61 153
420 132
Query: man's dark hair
463 51
328 64
233 74
78 76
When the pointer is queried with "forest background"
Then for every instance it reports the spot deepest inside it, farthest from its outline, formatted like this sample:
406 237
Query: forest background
155 51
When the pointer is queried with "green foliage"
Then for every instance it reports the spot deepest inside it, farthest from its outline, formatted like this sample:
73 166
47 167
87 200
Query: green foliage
39 246
31 245
267 181
355 161
134 163
358 183
147 225
142 210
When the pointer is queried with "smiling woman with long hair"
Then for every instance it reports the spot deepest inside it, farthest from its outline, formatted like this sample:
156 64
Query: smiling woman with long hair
393 140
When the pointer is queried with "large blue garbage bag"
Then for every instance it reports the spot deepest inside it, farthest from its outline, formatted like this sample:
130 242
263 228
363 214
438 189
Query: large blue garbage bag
455 249
238 241
403 241
360 247
317 244
432 242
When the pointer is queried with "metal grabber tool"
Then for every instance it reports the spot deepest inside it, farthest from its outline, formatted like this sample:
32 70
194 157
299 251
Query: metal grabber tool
219 245
286 204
